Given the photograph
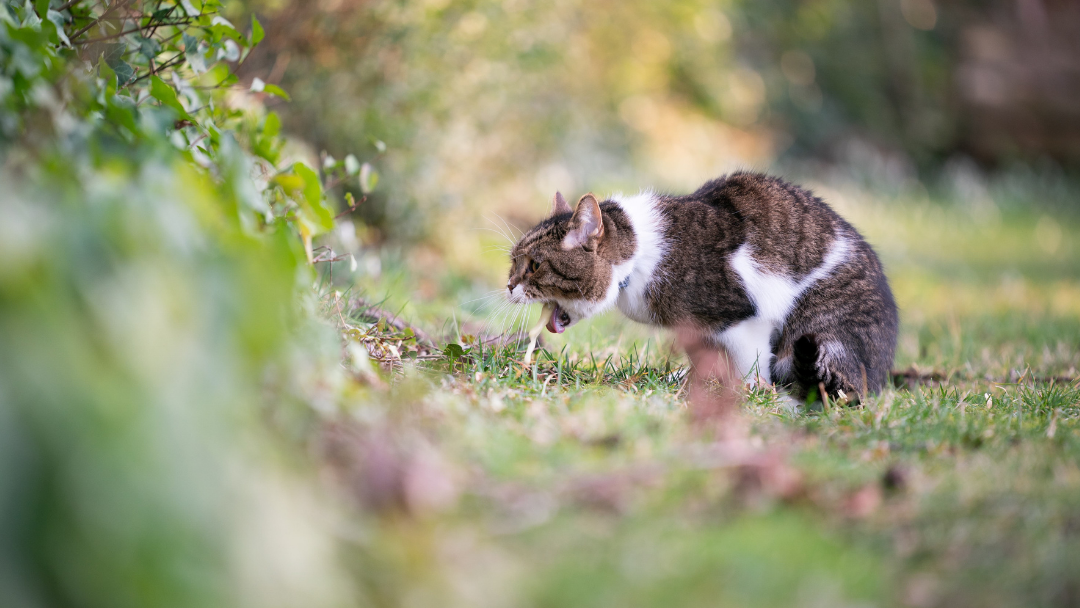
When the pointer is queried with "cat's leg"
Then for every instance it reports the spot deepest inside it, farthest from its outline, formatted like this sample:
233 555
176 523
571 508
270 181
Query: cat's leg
821 359
748 342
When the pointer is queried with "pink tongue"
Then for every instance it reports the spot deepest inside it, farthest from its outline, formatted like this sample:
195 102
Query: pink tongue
553 324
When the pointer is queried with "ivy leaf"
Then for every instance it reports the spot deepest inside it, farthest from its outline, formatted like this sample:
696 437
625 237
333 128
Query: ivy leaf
30 20
113 53
42 7
194 57
162 92
58 22
189 8
149 47
106 73
124 73
257 32
122 111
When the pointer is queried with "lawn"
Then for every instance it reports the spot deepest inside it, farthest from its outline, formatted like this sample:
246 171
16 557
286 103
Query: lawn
584 481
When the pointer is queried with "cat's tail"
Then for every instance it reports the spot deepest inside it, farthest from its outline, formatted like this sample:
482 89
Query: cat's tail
814 368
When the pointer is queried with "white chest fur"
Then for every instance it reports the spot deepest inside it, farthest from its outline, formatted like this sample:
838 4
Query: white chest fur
773 295
651 246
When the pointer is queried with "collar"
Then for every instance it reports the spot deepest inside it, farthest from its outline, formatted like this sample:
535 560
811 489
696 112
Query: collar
623 283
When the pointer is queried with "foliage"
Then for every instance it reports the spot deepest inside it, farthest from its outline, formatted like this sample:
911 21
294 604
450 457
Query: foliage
156 249
96 80
494 105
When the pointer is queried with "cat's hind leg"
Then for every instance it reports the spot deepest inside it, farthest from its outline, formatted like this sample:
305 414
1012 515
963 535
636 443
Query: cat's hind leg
820 360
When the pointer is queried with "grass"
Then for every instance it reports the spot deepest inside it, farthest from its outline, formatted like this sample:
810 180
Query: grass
582 481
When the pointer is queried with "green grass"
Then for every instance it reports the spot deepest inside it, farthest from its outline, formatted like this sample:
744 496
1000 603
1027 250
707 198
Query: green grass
581 480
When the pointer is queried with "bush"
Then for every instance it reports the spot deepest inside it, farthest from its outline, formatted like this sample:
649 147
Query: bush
148 286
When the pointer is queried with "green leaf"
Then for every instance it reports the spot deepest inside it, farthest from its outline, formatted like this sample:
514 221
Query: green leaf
149 47
275 90
107 74
30 20
258 86
162 92
257 33
42 7
190 42
272 126
122 111
58 22
189 8
124 73
313 196
454 351
113 53
194 57
222 31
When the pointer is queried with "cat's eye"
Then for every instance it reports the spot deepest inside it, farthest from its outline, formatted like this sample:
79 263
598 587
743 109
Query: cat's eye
533 265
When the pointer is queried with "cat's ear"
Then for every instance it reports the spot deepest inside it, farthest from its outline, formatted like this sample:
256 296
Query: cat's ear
586 225
558 205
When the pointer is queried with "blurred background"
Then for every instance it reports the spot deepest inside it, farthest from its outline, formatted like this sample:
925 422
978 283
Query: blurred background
487 108
494 105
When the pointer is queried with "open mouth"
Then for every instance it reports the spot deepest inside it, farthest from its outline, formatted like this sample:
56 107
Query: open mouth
559 320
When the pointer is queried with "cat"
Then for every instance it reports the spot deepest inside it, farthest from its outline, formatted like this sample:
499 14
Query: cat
762 268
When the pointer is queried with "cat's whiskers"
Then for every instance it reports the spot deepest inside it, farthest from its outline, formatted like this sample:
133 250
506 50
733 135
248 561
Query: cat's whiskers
508 225
521 318
494 293
511 237
498 232
498 318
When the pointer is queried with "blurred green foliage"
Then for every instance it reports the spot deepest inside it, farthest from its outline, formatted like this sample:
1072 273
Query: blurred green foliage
155 246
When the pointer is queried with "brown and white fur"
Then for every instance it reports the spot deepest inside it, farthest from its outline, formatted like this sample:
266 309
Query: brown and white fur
761 267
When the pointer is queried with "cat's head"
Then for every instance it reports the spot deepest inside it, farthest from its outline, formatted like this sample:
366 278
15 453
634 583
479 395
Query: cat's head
569 259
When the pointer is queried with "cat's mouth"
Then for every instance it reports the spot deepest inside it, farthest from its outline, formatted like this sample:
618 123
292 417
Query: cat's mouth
559 321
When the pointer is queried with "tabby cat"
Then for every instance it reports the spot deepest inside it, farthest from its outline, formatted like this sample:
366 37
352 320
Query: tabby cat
763 268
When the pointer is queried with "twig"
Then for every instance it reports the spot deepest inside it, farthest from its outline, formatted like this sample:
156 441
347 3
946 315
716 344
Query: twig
108 11
168 64
352 208
132 31
67 5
